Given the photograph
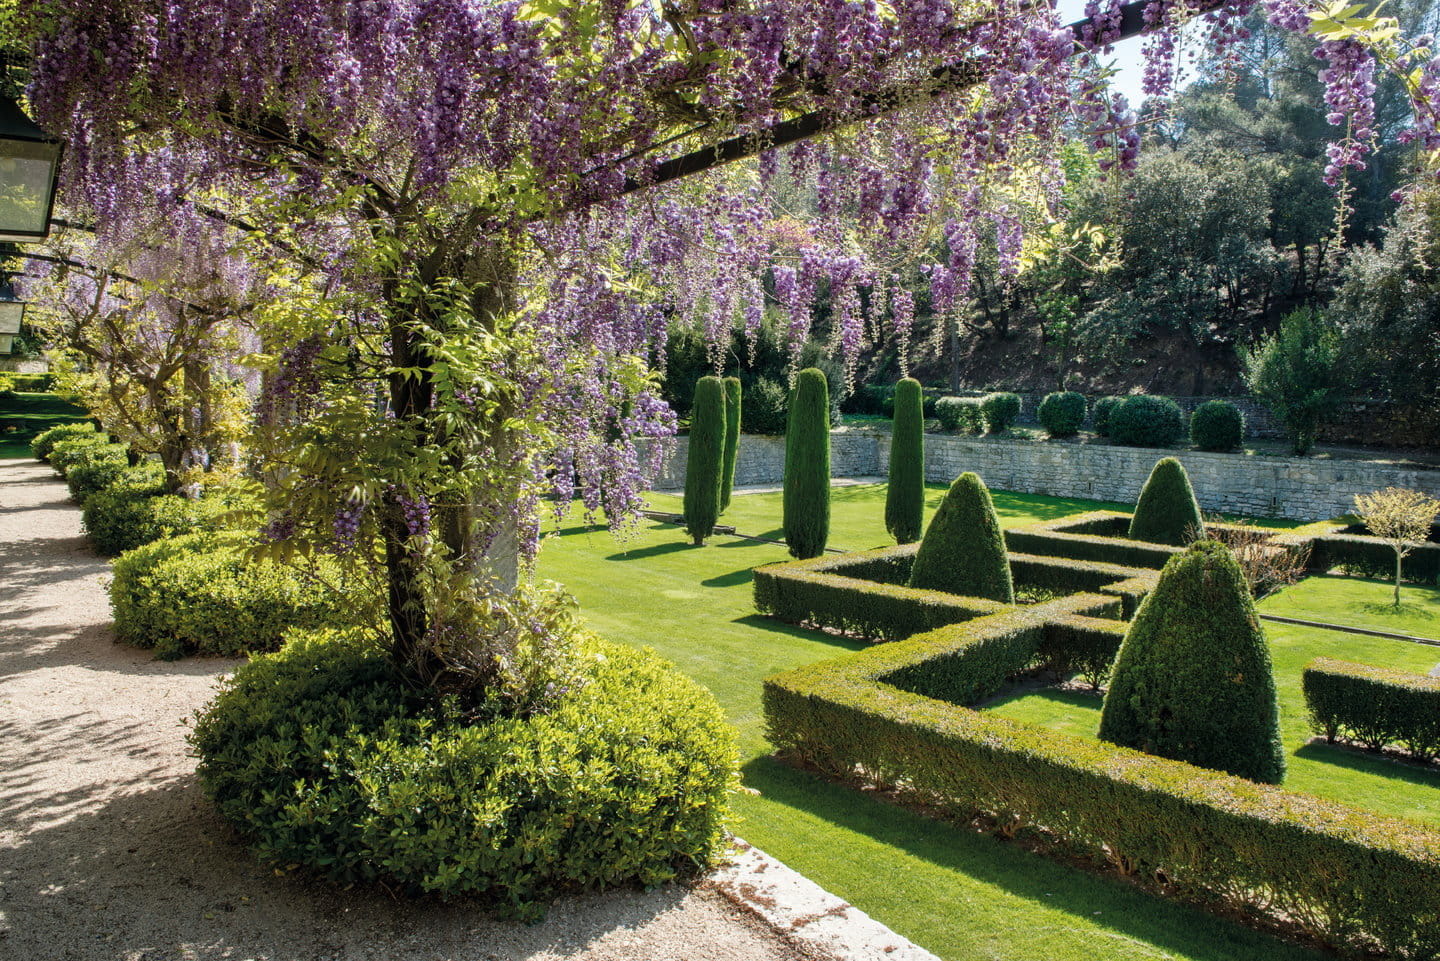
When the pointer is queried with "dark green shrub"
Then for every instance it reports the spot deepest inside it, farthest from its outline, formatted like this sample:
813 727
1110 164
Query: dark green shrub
1062 414
766 408
1299 373
323 757
963 551
71 450
905 490
122 519
98 474
45 441
1100 414
1144 421
1000 410
707 456
1193 679
960 414
807 466
1217 425
33 383
1167 512
733 414
203 594
1375 706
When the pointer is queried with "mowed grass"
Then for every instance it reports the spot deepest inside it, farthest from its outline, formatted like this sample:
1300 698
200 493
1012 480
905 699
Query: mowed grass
29 414
959 894
1366 780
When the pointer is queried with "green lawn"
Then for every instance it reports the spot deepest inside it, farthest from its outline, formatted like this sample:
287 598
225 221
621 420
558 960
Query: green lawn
1344 774
31 414
960 894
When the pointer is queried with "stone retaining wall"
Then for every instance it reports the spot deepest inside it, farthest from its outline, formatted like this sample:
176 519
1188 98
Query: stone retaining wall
1285 487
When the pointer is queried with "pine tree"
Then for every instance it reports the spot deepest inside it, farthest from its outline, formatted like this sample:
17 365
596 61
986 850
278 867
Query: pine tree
707 452
732 440
963 551
1193 680
905 492
807 466
1167 512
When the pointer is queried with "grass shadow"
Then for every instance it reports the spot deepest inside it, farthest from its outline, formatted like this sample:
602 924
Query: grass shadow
654 550
733 579
1368 762
1406 609
772 626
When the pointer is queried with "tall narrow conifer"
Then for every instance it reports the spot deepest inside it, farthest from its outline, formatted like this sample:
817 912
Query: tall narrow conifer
905 490
707 452
807 466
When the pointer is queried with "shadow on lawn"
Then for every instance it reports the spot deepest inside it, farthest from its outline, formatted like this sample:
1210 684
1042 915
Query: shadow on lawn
654 550
733 579
770 625
1369 762
1099 899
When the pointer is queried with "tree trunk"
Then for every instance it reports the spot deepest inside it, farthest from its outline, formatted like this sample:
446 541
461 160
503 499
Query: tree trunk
1399 562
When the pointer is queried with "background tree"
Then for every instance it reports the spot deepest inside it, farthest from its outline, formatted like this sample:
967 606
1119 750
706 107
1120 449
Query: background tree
905 488
703 478
1404 518
733 412
1298 373
806 501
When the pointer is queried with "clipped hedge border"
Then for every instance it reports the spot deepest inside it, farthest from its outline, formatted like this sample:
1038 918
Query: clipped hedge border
864 593
1373 705
1373 557
893 712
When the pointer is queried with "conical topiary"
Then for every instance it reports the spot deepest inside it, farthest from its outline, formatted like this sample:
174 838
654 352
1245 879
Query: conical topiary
732 440
1192 680
807 466
707 452
1167 512
964 550
905 491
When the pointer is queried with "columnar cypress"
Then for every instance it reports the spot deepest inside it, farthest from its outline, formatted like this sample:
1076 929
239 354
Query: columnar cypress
964 550
732 440
1193 679
807 466
707 452
1167 512
905 492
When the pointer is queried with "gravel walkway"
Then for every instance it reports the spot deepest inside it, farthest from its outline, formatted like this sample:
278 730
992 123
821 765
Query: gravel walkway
109 852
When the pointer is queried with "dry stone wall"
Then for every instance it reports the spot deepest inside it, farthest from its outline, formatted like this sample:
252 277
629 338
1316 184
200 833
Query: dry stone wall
1283 487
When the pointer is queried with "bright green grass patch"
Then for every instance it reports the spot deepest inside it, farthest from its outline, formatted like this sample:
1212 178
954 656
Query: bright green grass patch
960 894
857 512
1343 774
31 414
1361 602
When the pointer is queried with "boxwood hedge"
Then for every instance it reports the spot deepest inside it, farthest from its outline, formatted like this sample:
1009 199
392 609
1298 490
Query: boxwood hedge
1375 706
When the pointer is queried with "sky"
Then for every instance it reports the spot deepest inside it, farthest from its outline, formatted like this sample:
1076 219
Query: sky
1126 58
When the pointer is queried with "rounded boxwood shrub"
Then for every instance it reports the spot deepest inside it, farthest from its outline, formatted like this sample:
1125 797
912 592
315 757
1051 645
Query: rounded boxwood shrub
322 756
960 414
1100 413
72 450
963 551
96 468
733 413
707 456
806 501
203 594
1193 679
45 441
1217 425
905 487
1062 413
1000 410
766 408
123 518
1145 421
1167 511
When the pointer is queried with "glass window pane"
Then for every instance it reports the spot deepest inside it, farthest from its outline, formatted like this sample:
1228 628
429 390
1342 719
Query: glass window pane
26 176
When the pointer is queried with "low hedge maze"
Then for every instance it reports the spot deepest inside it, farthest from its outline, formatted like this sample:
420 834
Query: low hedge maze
900 715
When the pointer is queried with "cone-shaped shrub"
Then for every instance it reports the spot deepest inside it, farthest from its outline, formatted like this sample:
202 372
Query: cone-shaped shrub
905 492
1193 679
964 551
1167 512
732 440
707 453
807 466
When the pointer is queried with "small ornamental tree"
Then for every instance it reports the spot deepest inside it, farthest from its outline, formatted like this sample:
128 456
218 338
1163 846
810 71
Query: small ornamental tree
732 440
905 492
1401 517
964 550
1167 512
807 466
1298 374
1193 679
707 455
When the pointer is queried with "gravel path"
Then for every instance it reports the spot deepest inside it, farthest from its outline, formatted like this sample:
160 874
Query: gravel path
109 852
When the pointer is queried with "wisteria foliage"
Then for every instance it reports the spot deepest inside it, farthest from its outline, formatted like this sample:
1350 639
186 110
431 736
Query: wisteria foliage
493 175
